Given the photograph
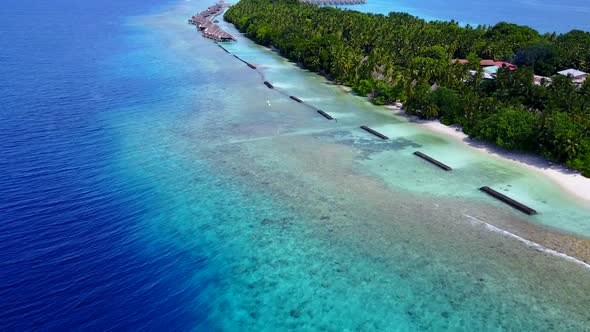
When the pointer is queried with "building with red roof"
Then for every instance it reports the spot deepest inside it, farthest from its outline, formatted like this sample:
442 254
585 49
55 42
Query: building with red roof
499 64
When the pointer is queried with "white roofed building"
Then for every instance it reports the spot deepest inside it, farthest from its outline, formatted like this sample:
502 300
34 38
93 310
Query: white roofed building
541 80
577 76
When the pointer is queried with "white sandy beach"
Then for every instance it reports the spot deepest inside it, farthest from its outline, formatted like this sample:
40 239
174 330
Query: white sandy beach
571 181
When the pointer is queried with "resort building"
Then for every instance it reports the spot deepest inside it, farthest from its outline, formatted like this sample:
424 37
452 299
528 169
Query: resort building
492 70
461 61
487 63
503 64
541 80
499 64
577 76
486 75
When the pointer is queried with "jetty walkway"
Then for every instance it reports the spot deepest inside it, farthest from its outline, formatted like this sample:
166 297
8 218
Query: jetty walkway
204 22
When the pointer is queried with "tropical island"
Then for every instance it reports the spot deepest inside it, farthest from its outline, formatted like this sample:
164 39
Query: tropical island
505 84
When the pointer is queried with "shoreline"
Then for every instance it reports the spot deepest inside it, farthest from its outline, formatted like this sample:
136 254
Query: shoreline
567 179
571 181
553 242
545 240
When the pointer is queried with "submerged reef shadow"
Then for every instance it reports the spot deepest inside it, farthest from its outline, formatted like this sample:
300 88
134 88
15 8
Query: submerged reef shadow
367 145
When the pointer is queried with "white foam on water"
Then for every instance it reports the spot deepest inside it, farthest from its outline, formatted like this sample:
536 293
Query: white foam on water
341 115
528 243
280 85
313 99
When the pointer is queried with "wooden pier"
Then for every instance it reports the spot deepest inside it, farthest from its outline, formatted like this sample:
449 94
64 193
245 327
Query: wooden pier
204 22
508 200
334 2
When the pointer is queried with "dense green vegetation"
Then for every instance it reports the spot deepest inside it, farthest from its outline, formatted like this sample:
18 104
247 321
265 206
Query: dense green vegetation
401 57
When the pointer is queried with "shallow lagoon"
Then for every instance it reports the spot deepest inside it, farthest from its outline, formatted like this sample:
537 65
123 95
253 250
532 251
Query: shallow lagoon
313 224
393 161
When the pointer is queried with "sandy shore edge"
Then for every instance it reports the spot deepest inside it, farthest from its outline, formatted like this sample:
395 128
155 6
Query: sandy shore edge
569 180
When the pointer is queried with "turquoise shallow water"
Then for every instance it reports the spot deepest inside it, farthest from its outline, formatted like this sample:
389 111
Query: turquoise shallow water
314 225
393 162
152 182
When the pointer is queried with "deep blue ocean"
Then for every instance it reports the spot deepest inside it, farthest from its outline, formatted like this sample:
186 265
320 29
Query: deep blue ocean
72 252
119 212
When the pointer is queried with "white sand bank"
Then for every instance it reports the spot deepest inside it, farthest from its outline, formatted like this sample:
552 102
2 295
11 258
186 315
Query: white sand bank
569 180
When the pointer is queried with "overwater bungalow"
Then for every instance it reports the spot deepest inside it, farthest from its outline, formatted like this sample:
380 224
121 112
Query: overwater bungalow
205 25
216 33
203 22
